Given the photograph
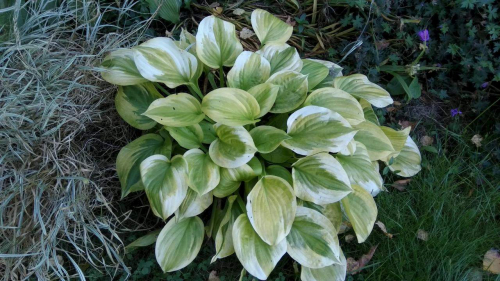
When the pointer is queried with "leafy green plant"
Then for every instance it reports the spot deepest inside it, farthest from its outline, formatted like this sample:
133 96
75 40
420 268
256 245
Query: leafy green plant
290 147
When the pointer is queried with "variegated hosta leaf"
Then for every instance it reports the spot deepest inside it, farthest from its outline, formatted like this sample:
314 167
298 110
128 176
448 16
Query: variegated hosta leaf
281 57
179 243
397 138
338 101
216 42
313 241
119 68
249 70
359 86
132 101
310 205
203 173
408 161
314 129
361 211
193 204
280 171
368 112
165 183
315 72
177 110
267 138
256 166
265 94
334 70
224 239
160 60
292 90
349 149
270 29
279 155
208 132
320 178
130 157
256 256
361 171
230 179
188 137
231 106
333 212
334 272
187 41
233 147
377 144
271 207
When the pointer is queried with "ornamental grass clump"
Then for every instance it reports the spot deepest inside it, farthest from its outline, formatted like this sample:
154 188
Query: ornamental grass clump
289 147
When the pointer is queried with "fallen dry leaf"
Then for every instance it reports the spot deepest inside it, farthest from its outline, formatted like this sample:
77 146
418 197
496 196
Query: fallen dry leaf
406 124
349 238
476 140
218 10
397 103
238 12
426 140
382 44
384 229
400 184
213 276
344 226
390 109
291 22
246 33
491 261
422 235
355 266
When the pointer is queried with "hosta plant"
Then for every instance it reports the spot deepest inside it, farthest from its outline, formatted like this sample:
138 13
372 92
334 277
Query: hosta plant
276 152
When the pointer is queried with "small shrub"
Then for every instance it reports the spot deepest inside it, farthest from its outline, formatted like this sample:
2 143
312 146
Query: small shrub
288 147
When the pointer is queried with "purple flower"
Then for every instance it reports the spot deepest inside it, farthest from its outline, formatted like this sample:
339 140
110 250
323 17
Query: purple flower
455 112
484 85
424 35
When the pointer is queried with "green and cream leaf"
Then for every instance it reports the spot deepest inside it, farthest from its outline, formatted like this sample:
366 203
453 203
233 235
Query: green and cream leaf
233 147
313 241
271 207
177 110
267 138
188 137
119 68
193 204
179 243
132 101
270 29
361 210
315 71
334 272
216 43
249 70
320 179
281 57
231 106
338 101
203 173
265 94
292 90
160 60
360 170
377 144
315 129
165 183
130 157
359 86
256 256
407 163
